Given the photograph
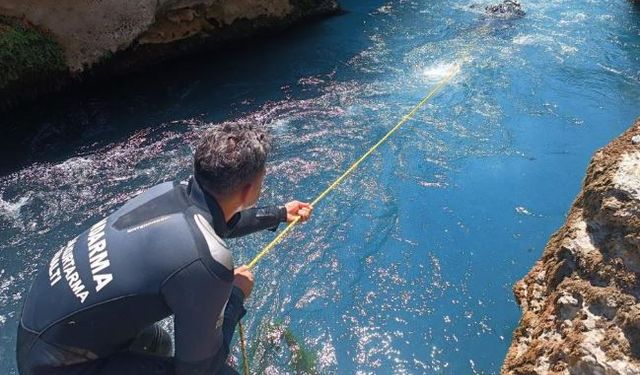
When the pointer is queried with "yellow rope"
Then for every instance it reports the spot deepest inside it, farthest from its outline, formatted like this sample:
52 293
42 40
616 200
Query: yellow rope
355 165
335 183
243 346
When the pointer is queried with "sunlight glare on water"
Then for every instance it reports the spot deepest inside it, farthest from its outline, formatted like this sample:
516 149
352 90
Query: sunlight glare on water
437 72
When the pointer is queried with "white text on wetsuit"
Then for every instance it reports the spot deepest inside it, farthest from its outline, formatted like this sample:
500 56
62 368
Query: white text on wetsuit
55 274
70 273
98 255
69 268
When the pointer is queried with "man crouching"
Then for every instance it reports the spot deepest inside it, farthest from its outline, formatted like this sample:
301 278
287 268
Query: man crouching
94 308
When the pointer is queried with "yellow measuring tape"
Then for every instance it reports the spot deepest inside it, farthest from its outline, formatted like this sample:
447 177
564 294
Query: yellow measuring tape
337 182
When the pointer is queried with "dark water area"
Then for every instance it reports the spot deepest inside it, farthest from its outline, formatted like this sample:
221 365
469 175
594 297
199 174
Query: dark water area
408 266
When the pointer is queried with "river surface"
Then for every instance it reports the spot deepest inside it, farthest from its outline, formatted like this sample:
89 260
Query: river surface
407 268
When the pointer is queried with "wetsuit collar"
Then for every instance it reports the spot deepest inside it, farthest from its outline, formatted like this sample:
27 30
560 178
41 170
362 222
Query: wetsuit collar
205 201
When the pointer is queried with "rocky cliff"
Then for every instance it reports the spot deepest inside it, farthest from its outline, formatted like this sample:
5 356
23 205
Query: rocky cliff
580 301
45 44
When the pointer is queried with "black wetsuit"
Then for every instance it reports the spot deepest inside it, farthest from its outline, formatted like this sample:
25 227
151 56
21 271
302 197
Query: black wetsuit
159 254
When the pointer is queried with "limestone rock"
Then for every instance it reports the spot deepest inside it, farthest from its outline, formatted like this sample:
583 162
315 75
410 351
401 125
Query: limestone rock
580 311
118 36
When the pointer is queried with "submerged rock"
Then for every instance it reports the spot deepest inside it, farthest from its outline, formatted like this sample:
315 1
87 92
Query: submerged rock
580 311
506 9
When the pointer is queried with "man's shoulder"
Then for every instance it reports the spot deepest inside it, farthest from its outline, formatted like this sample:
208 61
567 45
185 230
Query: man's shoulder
164 209
213 248
160 200
151 193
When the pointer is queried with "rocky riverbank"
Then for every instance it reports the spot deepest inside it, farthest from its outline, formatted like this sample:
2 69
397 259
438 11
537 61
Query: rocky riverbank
46 45
580 301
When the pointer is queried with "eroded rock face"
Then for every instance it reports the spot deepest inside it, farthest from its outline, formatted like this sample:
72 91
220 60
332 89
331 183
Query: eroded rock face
580 301
87 30
116 36
92 30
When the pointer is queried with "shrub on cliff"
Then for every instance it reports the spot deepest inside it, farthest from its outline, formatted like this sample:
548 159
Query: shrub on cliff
26 55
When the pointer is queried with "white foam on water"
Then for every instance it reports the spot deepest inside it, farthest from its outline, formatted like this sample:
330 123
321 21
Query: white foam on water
437 72
606 17
567 49
610 69
532 39
11 210
524 39
280 126
569 18
523 211
385 9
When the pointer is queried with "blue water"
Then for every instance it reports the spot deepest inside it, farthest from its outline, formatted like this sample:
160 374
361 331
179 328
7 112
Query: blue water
408 266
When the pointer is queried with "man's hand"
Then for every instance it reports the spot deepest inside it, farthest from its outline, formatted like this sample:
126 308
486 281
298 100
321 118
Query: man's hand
296 208
243 279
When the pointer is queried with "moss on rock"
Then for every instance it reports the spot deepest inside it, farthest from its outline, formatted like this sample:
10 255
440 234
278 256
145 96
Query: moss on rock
26 54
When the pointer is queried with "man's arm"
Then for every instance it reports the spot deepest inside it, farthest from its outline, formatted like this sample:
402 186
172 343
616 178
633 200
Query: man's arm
242 286
233 312
197 299
257 219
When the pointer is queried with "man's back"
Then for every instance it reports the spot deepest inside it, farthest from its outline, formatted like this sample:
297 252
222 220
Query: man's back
156 255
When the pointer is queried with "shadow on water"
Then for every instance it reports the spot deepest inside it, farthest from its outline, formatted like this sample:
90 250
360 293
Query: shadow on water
211 86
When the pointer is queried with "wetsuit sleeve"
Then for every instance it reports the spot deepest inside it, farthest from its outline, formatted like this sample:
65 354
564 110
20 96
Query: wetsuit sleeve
256 219
197 298
232 315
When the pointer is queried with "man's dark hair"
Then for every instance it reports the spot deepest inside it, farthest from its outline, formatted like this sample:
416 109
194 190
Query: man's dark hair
231 155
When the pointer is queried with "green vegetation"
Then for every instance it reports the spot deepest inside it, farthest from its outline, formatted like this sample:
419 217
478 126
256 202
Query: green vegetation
303 361
277 342
26 55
